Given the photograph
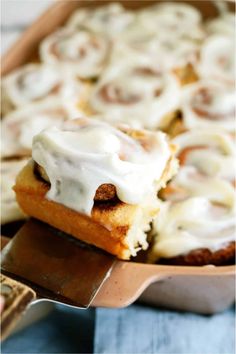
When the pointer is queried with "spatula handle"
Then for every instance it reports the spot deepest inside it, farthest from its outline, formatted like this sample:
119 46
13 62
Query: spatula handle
16 297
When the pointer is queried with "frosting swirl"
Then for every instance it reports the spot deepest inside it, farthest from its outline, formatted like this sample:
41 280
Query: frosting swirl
10 210
194 223
84 53
19 127
110 20
208 104
91 153
198 210
32 83
224 24
173 20
217 59
136 92
211 152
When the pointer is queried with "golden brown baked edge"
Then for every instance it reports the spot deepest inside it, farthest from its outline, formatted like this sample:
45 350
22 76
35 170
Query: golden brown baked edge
107 228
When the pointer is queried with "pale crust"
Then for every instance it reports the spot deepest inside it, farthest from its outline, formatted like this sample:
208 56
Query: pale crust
107 228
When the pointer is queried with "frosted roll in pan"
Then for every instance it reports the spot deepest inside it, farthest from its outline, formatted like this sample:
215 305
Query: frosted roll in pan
19 127
32 83
10 210
212 152
110 20
199 208
173 20
224 24
208 104
84 52
217 59
137 93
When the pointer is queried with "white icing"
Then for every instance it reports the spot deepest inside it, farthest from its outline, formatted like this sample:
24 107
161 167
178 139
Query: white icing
213 152
172 20
19 127
199 209
109 20
10 210
85 154
217 59
84 53
208 104
194 223
165 53
31 83
189 182
224 24
134 91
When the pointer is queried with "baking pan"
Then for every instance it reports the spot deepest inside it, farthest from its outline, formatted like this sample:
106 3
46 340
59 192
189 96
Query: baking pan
207 289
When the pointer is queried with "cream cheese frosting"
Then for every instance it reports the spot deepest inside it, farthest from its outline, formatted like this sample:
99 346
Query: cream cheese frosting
224 24
31 82
85 154
217 59
212 152
172 19
208 104
134 91
194 223
10 210
83 53
19 127
110 20
198 211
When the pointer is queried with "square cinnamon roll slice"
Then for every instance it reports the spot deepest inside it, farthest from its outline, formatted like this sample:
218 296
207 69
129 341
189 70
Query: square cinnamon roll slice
97 182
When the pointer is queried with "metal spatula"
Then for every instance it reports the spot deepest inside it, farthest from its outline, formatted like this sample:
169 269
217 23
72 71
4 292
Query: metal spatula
49 265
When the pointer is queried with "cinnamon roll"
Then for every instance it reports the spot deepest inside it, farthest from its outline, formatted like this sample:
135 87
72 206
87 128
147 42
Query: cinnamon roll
177 57
82 52
195 231
137 93
109 20
196 224
10 211
176 20
224 24
217 59
32 83
19 127
82 165
208 104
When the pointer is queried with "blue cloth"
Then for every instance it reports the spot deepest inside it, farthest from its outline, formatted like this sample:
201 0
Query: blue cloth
136 329
64 330
140 329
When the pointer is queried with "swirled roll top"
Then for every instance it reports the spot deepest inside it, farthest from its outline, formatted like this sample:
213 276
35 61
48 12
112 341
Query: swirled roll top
208 104
137 92
109 20
212 152
195 223
85 154
170 18
84 53
199 207
217 59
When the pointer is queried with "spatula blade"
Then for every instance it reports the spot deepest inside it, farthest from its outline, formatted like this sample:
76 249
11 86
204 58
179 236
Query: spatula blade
57 266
